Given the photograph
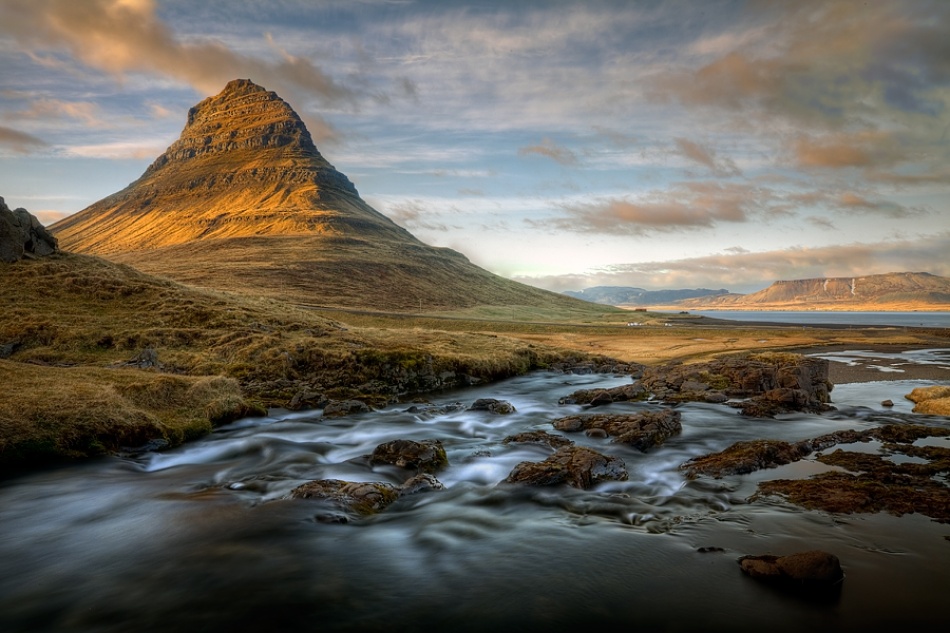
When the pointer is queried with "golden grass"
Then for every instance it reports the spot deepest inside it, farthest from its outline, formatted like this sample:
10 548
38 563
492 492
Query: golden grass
67 412
931 400
76 322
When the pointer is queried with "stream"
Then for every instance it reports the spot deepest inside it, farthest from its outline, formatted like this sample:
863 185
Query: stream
204 538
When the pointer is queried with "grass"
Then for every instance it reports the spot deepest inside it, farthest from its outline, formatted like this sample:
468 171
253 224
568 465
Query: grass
78 327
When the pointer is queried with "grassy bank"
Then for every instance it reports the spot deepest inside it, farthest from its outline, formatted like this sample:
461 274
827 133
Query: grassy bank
96 356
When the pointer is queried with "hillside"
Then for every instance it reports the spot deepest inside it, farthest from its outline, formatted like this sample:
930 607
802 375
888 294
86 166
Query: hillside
892 291
244 201
629 296
96 355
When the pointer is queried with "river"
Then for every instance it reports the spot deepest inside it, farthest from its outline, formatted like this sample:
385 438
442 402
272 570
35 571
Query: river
203 537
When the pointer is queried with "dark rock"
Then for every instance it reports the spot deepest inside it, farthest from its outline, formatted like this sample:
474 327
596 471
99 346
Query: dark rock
423 482
7 349
643 430
498 407
599 366
362 498
307 399
432 410
804 569
426 456
339 408
772 383
711 550
539 437
573 466
745 457
22 235
887 403
596 397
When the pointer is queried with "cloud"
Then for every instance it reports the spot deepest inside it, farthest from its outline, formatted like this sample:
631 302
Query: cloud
136 150
707 157
841 150
689 205
829 63
552 150
413 214
121 37
853 202
751 271
19 142
86 112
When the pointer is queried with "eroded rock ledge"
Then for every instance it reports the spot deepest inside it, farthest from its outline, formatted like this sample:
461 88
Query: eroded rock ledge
22 235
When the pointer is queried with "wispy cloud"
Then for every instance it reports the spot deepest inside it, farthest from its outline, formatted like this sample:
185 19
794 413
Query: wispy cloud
750 271
690 205
707 157
550 149
19 142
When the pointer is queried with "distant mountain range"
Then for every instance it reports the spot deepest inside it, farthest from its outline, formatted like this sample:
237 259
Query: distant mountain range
627 296
891 291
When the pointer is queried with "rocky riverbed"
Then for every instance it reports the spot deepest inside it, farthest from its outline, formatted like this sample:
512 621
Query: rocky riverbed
232 532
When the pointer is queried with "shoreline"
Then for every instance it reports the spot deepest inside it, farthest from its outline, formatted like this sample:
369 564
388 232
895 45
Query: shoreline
868 368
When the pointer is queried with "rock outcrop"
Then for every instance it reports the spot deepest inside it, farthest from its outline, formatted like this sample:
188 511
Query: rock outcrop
812 570
642 431
768 383
22 235
574 466
362 498
426 456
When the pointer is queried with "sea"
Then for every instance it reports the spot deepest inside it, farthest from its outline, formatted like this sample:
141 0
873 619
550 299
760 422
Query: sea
837 318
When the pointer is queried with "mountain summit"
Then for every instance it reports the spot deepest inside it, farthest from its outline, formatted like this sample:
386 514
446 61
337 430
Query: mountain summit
244 201
245 165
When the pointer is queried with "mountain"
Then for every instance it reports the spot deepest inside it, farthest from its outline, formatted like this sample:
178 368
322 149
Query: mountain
628 296
244 201
891 291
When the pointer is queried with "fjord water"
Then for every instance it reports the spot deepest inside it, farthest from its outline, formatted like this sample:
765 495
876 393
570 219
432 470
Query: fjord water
838 318
204 538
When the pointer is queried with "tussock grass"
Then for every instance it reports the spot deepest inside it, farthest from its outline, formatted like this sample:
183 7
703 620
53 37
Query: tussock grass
52 413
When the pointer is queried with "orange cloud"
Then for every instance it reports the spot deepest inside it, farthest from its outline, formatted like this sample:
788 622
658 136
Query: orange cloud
863 149
707 157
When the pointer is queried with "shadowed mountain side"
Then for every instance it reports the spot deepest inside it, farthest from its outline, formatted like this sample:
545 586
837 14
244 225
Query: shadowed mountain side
243 201
342 271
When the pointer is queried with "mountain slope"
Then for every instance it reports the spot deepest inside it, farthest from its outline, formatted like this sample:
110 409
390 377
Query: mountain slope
894 291
244 201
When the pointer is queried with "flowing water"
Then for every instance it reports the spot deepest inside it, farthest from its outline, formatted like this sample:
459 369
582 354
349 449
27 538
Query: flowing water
204 537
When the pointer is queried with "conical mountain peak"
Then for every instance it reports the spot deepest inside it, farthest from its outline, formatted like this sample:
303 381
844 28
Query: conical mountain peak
243 116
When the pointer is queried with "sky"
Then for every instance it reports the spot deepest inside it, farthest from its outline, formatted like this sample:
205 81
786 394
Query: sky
656 144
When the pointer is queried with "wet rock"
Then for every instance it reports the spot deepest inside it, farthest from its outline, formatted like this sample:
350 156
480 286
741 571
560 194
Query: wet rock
573 466
642 430
423 482
887 403
772 383
745 457
361 498
339 408
307 399
597 397
813 569
432 410
539 437
498 407
598 366
425 456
